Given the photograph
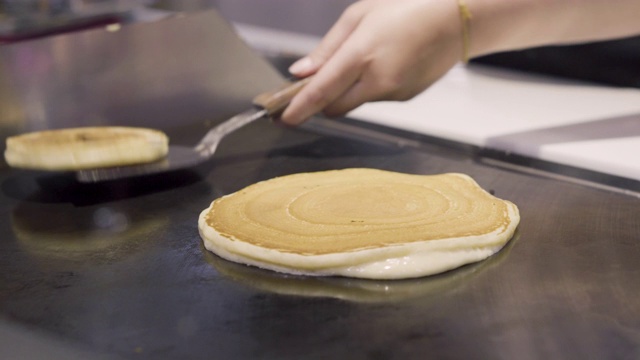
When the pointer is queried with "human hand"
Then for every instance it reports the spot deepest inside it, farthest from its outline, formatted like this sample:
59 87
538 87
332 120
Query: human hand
377 50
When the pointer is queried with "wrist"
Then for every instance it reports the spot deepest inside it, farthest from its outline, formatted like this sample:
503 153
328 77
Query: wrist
501 25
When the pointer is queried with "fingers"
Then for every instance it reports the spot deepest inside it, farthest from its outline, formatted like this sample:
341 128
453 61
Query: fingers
368 88
326 86
372 54
331 42
337 61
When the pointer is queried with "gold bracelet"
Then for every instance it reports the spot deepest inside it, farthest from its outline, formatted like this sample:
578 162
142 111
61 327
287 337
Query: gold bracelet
465 18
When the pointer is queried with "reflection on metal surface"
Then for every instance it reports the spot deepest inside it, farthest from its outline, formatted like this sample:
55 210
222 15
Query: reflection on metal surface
71 232
57 217
178 70
531 141
357 290
561 172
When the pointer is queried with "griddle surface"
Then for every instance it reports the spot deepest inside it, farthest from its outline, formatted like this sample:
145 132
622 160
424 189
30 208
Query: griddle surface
119 268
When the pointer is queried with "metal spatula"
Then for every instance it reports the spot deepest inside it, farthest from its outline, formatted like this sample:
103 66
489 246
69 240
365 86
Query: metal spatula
181 157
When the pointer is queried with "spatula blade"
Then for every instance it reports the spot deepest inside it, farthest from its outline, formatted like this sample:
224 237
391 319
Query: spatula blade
178 157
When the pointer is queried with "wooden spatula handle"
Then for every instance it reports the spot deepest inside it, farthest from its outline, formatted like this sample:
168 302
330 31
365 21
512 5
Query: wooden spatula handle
276 101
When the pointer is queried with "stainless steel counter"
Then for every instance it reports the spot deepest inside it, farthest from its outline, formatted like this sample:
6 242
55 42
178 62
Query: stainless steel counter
118 269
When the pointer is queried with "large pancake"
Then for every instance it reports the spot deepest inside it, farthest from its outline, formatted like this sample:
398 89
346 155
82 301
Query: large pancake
359 223
86 148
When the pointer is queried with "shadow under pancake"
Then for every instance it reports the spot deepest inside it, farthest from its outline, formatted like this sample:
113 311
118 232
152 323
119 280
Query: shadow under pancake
353 289
47 188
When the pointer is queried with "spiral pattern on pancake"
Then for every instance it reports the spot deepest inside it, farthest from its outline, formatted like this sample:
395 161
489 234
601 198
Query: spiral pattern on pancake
356 209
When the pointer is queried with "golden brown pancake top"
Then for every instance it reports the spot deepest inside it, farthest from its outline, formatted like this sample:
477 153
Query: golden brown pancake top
87 135
356 209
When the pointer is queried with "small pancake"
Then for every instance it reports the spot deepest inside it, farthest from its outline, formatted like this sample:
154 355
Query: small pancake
362 223
85 148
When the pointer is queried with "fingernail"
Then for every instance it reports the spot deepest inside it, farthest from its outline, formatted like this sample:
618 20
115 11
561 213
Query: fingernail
301 66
